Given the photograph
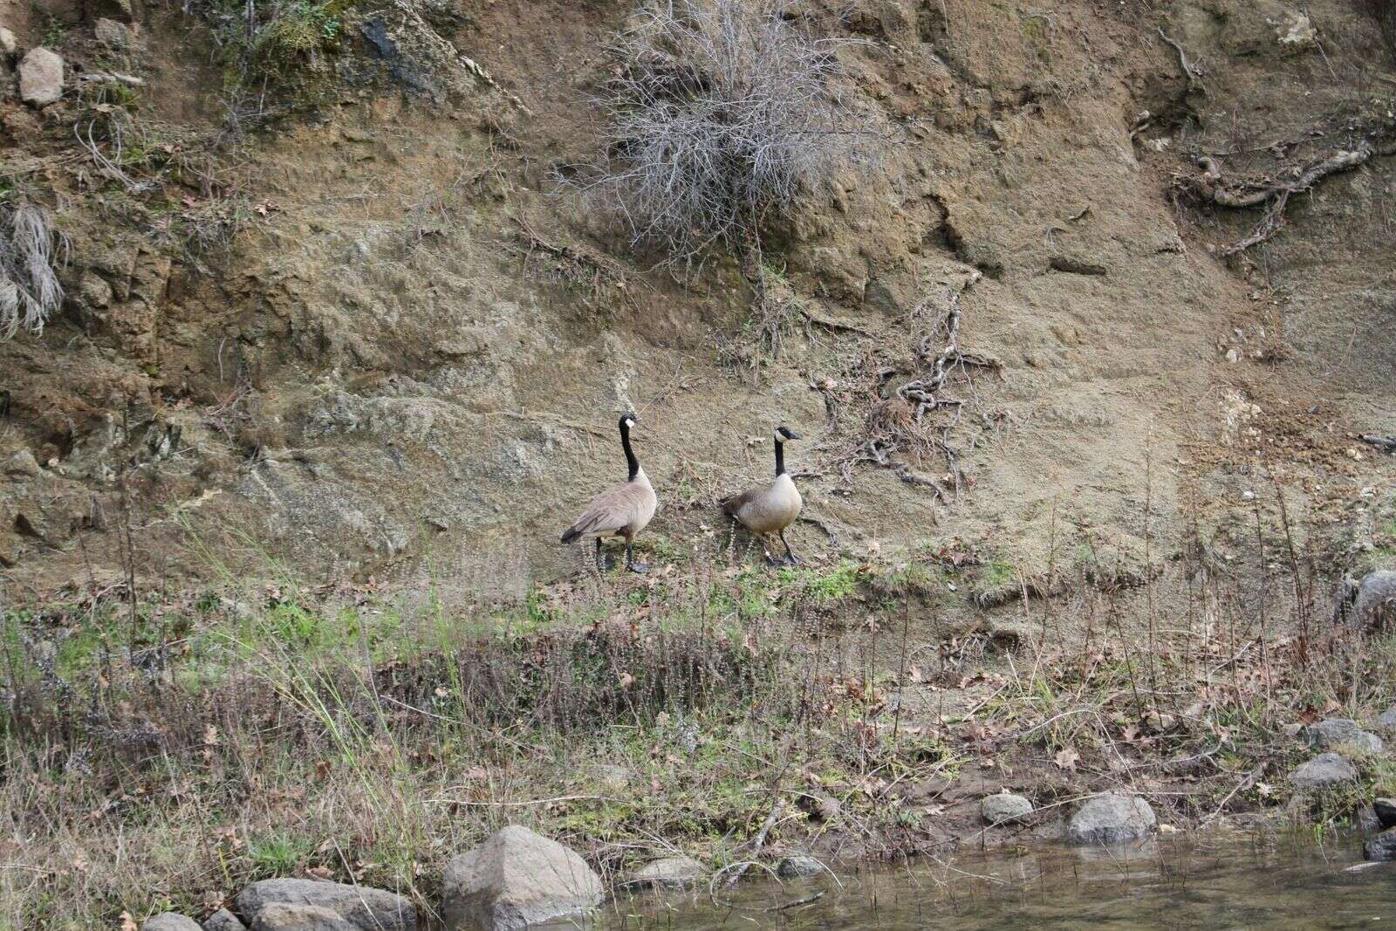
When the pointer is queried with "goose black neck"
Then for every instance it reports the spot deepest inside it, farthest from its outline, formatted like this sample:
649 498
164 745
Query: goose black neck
780 458
630 459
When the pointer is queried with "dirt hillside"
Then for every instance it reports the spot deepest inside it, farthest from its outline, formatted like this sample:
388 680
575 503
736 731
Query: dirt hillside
375 334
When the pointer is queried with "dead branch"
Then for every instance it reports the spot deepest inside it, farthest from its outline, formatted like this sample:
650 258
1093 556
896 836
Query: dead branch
1386 444
1191 70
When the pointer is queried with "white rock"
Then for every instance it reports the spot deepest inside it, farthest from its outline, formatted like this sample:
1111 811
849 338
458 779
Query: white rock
40 77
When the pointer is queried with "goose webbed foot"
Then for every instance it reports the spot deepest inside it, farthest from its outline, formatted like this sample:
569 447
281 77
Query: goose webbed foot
790 559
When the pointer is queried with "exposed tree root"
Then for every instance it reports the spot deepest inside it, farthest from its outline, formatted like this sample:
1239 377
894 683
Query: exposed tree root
1386 444
1272 194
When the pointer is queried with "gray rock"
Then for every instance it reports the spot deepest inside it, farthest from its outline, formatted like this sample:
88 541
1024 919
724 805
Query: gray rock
1385 809
282 916
667 873
170 921
516 878
113 35
1323 772
1387 719
1112 819
799 865
1381 847
362 907
224 920
8 43
22 465
1331 733
1004 808
40 77
1376 600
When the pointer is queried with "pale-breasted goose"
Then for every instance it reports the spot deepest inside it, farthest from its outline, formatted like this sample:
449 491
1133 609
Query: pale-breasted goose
622 510
770 508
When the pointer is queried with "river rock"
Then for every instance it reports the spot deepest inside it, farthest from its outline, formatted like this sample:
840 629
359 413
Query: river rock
1004 808
1339 732
1382 846
1385 809
224 920
1375 605
1111 819
361 907
40 77
516 878
797 866
1323 772
667 873
170 921
283 916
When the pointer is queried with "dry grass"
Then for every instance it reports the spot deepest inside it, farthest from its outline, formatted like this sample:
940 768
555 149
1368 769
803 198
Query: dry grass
30 253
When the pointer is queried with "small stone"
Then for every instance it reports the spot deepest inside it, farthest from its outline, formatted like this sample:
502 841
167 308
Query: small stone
1383 846
113 35
1386 811
40 77
281 916
667 873
363 907
22 465
1331 733
224 920
514 879
94 291
8 43
1004 808
170 921
1323 772
1112 819
797 866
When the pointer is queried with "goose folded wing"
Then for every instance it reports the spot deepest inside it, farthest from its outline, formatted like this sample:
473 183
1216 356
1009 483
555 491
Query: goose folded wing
611 511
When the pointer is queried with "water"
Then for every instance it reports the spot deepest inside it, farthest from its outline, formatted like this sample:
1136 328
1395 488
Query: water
1226 882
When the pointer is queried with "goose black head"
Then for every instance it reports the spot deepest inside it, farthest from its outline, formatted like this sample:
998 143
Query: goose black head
628 420
785 433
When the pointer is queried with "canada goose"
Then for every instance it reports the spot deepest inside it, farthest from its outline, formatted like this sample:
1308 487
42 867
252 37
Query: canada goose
622 510
770 509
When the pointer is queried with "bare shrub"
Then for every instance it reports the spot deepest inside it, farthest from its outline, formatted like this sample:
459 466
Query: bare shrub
721 113
29 253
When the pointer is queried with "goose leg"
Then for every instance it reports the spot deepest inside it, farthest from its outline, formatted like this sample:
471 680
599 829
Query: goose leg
766 548
790 558
601 563
630 563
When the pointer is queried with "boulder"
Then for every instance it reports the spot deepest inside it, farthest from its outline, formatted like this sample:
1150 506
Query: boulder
1323 772
1331 733
22 465
1385 809
516 878
797 866
1004 808
170 921
40 77
282 916
1375 605
1387 719
1382 846
115 36
360 906
1111 819
667 873
224 920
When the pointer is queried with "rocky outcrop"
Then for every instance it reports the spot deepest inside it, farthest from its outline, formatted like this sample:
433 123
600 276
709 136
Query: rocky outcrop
1332 733
666 873
1112 819
170 921
360 907
223 920
40 77
1382 846
1004 808
22 465
514 879
1324 771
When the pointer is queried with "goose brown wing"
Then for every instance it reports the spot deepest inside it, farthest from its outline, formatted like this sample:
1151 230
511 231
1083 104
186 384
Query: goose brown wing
732 505
612 510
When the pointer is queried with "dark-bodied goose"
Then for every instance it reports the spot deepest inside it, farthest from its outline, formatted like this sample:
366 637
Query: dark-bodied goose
770 508
621 510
